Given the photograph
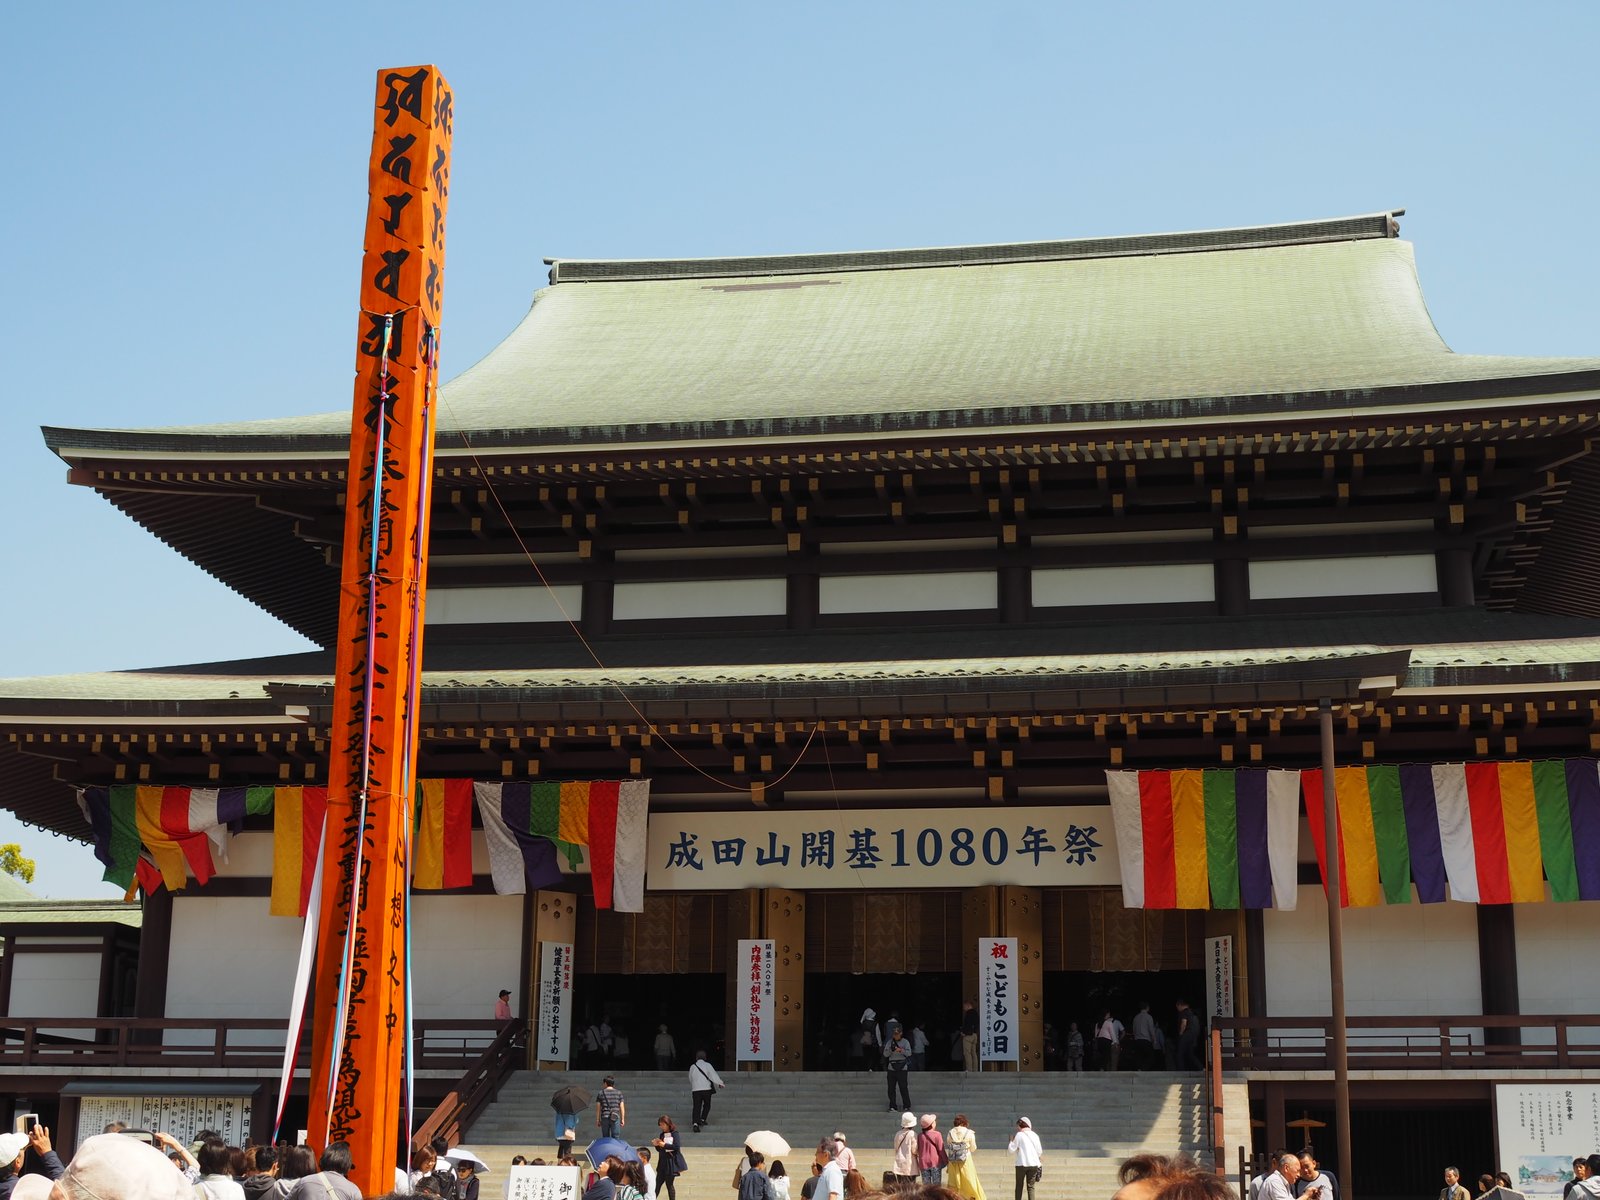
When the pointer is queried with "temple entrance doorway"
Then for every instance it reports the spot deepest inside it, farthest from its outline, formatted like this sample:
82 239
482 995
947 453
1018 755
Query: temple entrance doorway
636 1006
835 1003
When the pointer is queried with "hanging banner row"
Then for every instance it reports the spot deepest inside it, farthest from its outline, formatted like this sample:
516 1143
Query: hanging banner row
886 848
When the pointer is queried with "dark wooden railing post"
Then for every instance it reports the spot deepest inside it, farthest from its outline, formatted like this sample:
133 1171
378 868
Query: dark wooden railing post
1219 1146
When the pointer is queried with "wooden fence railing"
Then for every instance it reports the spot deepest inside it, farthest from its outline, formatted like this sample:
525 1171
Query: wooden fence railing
1554 1041
250 1043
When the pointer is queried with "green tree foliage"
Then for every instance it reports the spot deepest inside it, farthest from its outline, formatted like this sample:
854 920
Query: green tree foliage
14 862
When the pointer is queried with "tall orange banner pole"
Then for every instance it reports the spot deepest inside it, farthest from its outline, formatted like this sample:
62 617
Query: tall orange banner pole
359 1021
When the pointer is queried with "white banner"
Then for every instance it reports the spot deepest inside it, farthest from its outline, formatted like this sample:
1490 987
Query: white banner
754 1021
1219 976
543 1183
555 1002
882 848
1542 1128
997 964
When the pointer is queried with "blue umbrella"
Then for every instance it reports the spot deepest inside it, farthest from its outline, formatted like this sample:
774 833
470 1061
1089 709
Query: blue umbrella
609 1147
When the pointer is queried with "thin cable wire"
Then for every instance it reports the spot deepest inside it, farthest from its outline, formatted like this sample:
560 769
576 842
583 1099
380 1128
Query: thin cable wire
589 649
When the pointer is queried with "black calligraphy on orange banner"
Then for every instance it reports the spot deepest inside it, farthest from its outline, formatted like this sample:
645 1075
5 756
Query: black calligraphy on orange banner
358 1031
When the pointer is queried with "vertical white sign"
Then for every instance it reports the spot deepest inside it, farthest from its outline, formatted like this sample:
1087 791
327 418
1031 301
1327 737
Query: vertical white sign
543 1183
1219 976
1541 1129
754 1021
997 967
555 1002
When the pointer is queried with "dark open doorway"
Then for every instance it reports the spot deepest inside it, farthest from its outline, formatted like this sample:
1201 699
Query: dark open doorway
1081 996
835 1002
636 1006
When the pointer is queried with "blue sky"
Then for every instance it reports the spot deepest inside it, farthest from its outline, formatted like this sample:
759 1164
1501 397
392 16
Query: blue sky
187 194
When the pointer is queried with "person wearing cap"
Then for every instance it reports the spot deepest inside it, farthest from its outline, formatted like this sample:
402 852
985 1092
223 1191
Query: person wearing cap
1029 1157
502 1007
14 1148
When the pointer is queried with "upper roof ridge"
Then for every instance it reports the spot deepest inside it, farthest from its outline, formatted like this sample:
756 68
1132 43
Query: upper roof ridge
1334 229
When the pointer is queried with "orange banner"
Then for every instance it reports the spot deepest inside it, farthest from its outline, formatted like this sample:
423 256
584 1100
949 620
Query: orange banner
358 1026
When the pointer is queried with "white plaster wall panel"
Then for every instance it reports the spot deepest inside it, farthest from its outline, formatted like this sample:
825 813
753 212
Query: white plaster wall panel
56 985
1400 960
1149 583
923 592
1357 575
229 958
473 948
250 855
666 599
496 605
1557 971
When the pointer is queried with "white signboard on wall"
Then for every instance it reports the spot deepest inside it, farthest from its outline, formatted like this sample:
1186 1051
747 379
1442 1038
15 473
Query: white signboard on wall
997 967
1541 1128
754 1020
543 1183
181 1116
555 1002
1219 976
882 848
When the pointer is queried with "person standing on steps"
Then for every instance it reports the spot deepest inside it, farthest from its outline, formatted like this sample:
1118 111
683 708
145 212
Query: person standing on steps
905 1152
704 1082
869 1038
665 1048
1144 1038
610 1109
969 1036
931 1158
668 1156
843 1155
897 1069
1028 1155
960 1144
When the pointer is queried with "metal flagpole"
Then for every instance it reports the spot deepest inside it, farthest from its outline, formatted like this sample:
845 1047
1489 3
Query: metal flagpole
1339 1050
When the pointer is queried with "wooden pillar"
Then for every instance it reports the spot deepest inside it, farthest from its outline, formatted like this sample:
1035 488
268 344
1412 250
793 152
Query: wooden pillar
1497 970
744 921
555 919
785 917
1022 917
980 918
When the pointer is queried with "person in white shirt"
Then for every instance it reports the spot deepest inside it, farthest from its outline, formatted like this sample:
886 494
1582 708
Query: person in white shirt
1028 1156
704 1082
830 1183
1280 1184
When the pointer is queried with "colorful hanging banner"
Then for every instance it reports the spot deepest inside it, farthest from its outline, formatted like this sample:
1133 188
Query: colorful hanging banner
444 835
177 827
1487 833
525 824
1206 839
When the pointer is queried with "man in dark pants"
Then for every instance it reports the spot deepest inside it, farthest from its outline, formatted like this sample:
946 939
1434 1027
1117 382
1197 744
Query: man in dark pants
896 1067
704 1082
1188 1037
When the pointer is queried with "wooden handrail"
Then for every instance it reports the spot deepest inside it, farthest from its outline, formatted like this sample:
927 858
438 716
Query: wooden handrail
1396 1042
475 1089
87 1042
1219 1146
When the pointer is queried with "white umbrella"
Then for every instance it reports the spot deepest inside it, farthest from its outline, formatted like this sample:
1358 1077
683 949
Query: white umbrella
770 1145
462 1155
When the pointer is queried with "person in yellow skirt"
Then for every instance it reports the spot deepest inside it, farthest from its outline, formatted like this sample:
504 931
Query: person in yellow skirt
961 1145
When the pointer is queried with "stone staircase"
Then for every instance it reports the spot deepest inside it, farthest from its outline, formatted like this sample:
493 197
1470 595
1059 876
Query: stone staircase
1088 1122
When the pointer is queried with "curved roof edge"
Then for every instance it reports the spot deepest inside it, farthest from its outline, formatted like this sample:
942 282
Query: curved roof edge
1336 229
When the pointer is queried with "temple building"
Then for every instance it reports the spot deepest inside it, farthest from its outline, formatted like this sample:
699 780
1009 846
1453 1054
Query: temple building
872 566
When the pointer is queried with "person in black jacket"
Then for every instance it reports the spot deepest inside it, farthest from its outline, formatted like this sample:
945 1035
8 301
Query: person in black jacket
262 1183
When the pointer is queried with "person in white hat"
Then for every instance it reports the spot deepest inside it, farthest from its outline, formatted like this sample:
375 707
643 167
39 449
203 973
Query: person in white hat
1029 1154
14 1148
111 1165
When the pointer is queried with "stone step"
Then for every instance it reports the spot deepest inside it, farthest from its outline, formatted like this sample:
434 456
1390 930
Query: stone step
1088 1122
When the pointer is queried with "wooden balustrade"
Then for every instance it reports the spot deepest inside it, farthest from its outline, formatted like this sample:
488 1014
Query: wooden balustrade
1525 1042
249 1043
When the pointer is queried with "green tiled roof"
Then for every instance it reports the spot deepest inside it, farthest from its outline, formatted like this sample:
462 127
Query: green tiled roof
1167 328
